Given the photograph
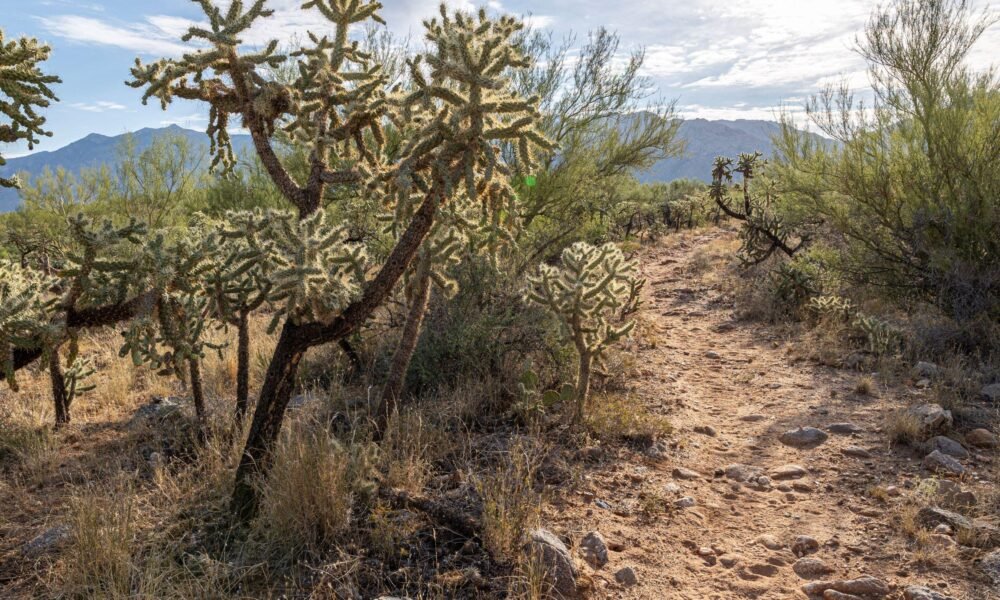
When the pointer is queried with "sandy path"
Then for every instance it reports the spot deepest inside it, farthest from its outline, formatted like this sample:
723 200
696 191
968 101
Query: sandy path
739 379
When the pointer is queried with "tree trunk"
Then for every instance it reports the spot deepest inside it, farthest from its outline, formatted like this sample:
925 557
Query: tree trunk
274 396
58 388
393 388
197 391
582 385
352 356
242 367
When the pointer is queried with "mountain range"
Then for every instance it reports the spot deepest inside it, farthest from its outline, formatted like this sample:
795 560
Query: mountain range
705 140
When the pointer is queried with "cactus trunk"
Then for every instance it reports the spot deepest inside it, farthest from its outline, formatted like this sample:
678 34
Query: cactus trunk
59 395
242 366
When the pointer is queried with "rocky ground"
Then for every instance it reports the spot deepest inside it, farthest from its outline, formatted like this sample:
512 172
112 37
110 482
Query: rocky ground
780 480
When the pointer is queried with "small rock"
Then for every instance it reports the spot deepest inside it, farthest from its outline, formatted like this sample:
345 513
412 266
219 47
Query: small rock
917 592
763 570
936 462
946 445
811 568
705 430
753 418
686 474
948 493
48 540
990 393
835 595
713 355
981 438
685 502
923 384
803 437
925 369
730 560
159 408
866 586
856 452
594 549
803 487
803 545
741 473
789 472
627 577
844 428
602 504
943 529
658 450
937 541
672 488
155 461
591 454
770 542
544 547
932 418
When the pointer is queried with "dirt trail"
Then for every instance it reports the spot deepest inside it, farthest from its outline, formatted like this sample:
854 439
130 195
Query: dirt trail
731 388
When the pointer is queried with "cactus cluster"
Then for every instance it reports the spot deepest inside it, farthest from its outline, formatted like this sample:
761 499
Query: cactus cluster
24 88
590 292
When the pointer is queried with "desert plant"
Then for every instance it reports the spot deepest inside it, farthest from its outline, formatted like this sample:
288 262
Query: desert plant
24 88
589 294
456 109
763 231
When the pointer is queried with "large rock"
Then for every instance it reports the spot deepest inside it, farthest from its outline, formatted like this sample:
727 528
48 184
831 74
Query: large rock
804 545
937 462
844 428
946 445
990 393
158 409
551 554
627 577
932 418
743 473
594 549
789 472
990 565
803 437
811 568
919 592
981 438
866 587
979 533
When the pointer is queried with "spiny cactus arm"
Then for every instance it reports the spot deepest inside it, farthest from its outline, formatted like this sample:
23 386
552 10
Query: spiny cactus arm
23 89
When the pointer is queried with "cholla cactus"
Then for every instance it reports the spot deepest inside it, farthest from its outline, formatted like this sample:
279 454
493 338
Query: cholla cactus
588 293
26 304
763 232
23 88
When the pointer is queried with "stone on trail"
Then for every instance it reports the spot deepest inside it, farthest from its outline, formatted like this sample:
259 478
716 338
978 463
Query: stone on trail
948 493
946 445
803 437
686 474
811 568
543 546
741 473
844 428
990 393
919 592
770 542
594 549
627 577
865 587
856 452
937 462
706 430
931 418
981 438
789 472
803 545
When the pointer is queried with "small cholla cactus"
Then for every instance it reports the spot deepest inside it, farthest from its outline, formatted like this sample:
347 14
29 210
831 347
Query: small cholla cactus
589 293
25 307
23 88
763 232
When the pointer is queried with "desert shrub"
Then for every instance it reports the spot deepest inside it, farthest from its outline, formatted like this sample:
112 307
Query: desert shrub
511 506
908 192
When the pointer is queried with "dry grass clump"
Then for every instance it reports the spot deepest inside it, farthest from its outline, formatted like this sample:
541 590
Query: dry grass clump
99 560
902 427
315 487
865 386
511 506
411 444
618 417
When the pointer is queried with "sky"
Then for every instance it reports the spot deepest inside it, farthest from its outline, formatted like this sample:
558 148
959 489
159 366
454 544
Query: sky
717 60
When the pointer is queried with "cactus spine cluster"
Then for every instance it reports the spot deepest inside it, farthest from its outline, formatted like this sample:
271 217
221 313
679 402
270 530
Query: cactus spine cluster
590 292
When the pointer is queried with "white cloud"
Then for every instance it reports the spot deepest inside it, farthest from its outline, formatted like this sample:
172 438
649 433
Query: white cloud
144 38
190 121
98 107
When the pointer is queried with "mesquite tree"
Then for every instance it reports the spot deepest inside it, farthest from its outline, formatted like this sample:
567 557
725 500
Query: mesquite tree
764 232
454 109
591 293
23 89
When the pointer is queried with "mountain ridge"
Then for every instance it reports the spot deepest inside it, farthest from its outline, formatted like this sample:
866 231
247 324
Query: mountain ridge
705 139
